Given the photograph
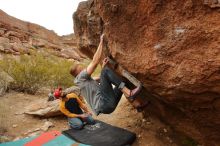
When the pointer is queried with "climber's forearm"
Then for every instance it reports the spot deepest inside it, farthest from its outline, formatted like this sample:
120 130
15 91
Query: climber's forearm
97 56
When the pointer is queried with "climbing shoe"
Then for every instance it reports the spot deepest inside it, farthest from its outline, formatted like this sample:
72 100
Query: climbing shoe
135 92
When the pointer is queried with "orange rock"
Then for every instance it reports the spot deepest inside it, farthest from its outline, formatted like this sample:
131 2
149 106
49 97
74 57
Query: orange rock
172 47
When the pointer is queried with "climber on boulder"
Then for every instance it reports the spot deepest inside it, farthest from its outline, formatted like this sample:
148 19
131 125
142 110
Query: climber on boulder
99 93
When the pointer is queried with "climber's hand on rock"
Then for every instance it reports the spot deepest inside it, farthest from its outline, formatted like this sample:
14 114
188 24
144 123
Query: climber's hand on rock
102 37
105 61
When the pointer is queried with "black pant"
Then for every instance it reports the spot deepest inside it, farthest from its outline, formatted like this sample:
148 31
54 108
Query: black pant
110 96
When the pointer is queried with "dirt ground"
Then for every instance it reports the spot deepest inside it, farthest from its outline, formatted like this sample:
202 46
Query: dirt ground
15 124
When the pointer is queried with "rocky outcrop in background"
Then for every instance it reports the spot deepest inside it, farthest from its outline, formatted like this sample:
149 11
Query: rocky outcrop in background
173 47
20 37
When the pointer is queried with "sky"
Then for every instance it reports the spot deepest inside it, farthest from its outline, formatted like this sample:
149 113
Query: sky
53 14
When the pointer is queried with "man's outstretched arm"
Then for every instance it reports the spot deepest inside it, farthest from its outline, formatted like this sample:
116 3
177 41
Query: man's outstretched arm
96 58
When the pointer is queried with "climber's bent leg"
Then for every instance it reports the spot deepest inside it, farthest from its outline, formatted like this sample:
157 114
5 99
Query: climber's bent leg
109 96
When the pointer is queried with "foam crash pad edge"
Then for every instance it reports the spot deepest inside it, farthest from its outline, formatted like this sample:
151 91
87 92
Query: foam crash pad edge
20 142
43 138
52 138
101 134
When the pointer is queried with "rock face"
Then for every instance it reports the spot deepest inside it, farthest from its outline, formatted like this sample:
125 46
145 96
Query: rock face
173 47
20 37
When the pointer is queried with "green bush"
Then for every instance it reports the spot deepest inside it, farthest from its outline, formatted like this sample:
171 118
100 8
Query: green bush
30 73
59 73
4 82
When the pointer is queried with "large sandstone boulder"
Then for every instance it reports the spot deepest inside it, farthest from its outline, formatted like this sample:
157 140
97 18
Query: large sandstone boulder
173 47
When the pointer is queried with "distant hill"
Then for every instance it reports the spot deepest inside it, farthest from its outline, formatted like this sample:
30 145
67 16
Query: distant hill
20 37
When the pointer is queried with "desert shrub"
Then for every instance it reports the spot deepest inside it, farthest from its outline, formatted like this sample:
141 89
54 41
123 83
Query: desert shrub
3 84
59 73
30 73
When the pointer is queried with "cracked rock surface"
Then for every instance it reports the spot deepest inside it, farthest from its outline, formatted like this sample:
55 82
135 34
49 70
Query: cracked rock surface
172 47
